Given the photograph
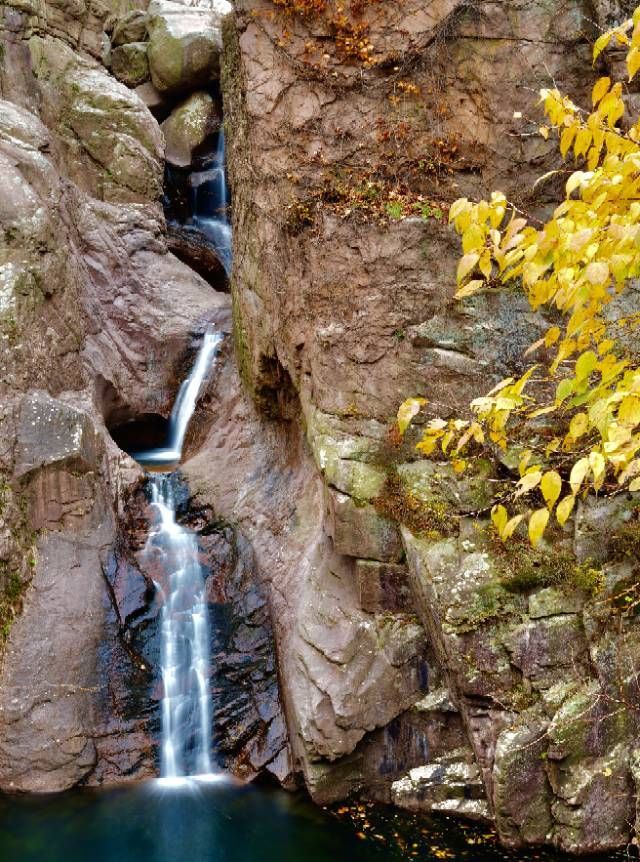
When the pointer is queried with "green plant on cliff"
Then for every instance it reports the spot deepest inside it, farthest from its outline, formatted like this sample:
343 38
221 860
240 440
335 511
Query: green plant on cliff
585 392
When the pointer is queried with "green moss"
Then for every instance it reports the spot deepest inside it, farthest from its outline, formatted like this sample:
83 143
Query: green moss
432 520
624 543
15 570
523 568
489 602
240 345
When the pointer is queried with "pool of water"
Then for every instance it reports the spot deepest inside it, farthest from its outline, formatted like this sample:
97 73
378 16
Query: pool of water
225 822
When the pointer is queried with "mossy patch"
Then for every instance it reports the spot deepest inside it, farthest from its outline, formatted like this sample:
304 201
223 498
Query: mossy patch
523 568
624 543
489 603
17 567
431 520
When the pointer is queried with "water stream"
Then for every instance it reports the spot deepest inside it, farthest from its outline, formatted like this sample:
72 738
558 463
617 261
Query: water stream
210 204
171 551
186 703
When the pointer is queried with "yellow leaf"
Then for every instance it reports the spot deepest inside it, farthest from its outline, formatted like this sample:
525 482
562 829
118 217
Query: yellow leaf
566 138
524 461
459 465
544 131
635 485
633 62
537 523
601 88
551 485
597 272
407 410
552 336
600 44
578 425
466 264
598 466
528 482
469 288
499 518
427 445
629 410
472 239
510 527
582 142
574 182
484 264
565 507
586 364
458 207
578 472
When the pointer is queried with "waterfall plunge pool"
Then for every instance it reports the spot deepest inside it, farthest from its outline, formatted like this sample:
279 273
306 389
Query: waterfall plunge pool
226 822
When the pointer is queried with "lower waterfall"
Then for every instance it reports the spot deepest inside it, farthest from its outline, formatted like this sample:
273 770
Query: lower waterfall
186 703
171 552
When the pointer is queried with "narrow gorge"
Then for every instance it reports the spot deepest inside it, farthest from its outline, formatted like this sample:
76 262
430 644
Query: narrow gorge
226 262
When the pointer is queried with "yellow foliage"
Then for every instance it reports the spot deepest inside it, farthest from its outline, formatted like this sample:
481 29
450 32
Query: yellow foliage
576 263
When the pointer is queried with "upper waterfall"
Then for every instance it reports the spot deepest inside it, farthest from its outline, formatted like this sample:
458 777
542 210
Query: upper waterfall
184 406
210 202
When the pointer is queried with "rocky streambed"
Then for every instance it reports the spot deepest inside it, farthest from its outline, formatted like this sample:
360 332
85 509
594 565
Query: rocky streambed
371 642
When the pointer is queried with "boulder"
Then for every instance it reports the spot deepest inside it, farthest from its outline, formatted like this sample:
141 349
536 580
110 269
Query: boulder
132 27
129 63
188 127
114 148
185 44
451 784
49 432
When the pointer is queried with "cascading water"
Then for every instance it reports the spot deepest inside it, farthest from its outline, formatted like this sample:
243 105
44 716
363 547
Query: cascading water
186 704
184 406
172 551
209 201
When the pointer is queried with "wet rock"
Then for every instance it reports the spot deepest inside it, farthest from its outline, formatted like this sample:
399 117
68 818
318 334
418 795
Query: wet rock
51 432
129 63
185 44
154 100
553 602
192 247
451 784
48 684
188 128
522 796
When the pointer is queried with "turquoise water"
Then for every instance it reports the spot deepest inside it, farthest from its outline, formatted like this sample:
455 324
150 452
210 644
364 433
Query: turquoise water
225 823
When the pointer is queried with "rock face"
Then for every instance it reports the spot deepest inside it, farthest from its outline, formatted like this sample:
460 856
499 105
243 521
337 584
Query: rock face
341 310
416 664
48 684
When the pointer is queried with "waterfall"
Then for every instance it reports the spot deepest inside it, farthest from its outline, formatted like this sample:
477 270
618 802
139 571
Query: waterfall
184 406
171 553
186 703
210 204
